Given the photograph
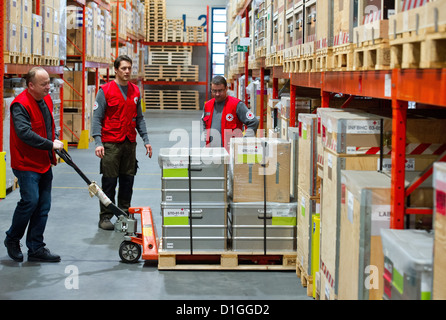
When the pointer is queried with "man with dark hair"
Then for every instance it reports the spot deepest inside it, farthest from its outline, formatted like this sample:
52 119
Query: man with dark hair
117 115
33 140
224 116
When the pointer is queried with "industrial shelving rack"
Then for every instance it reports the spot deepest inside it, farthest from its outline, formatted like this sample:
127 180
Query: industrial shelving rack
20 69
424 86
193 44
81 57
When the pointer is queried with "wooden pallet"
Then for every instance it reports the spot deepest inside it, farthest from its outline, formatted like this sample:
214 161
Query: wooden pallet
25 58
324 59
49 61
195 34
372 55
173 30
343 57
171 99
419 49
35 59
11 57
305 279
227 260
171 72
307 63
170 58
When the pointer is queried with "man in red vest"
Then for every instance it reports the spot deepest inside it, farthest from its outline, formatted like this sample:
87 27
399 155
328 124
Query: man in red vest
117 115
224 116
32 144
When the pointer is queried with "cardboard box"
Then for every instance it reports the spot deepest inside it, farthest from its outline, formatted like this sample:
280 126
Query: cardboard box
331 207
12 40
307 206
439 226
308 179
47 18
13 10
26 13
248 174
55 50
47 44
72 126
25 40
36 39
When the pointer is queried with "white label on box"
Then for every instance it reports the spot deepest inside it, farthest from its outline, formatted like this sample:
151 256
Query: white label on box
169 245
381 212
176 213
387 164
351 150
363 126
175 165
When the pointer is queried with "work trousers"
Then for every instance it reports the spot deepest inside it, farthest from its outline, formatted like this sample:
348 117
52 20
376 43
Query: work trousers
119 164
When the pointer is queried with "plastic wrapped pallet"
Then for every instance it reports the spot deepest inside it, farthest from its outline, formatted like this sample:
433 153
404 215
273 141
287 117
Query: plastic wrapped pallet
439 226
365 211
408 264
255 160
248 220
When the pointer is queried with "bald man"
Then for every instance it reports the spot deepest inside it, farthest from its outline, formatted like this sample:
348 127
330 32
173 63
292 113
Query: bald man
32 144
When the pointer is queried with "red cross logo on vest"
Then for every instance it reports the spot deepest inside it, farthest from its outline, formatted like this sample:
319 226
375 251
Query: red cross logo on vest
229 117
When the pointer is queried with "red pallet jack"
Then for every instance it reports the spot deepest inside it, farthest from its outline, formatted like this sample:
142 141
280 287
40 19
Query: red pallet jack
135 244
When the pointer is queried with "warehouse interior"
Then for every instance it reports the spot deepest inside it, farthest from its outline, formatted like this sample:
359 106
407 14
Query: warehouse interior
339 196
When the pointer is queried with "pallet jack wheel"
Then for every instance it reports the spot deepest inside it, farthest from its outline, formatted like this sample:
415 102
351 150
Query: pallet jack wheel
129 252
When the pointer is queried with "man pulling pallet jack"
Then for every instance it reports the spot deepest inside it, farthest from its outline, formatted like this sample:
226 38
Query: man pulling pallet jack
135 244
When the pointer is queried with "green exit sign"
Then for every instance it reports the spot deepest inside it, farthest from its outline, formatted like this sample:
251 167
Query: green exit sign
242 48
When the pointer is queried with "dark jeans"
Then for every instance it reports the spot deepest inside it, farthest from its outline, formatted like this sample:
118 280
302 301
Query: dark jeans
32 209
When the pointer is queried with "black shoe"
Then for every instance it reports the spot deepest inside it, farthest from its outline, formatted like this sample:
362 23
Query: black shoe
43 255
14 251
106 224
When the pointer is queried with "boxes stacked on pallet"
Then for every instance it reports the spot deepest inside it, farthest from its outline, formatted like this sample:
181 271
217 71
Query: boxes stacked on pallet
259 176
194 178
417 33
365 212
439 226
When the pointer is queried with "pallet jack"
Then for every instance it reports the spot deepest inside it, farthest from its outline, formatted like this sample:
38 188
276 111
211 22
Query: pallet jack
135 244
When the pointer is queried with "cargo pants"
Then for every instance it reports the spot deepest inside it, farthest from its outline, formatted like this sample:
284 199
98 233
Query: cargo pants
118 164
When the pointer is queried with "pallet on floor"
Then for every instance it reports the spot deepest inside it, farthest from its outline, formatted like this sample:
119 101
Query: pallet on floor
305 279
226 260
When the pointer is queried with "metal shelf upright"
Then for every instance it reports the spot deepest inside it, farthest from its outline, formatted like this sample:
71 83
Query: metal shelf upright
82 58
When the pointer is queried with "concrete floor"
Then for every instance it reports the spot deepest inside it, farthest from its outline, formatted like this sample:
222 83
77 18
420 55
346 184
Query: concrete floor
92 253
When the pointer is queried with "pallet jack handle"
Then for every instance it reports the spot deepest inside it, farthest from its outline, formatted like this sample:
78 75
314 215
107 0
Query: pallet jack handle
93 188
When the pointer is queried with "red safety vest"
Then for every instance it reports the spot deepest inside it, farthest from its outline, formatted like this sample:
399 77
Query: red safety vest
120 115
231 126
23 156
